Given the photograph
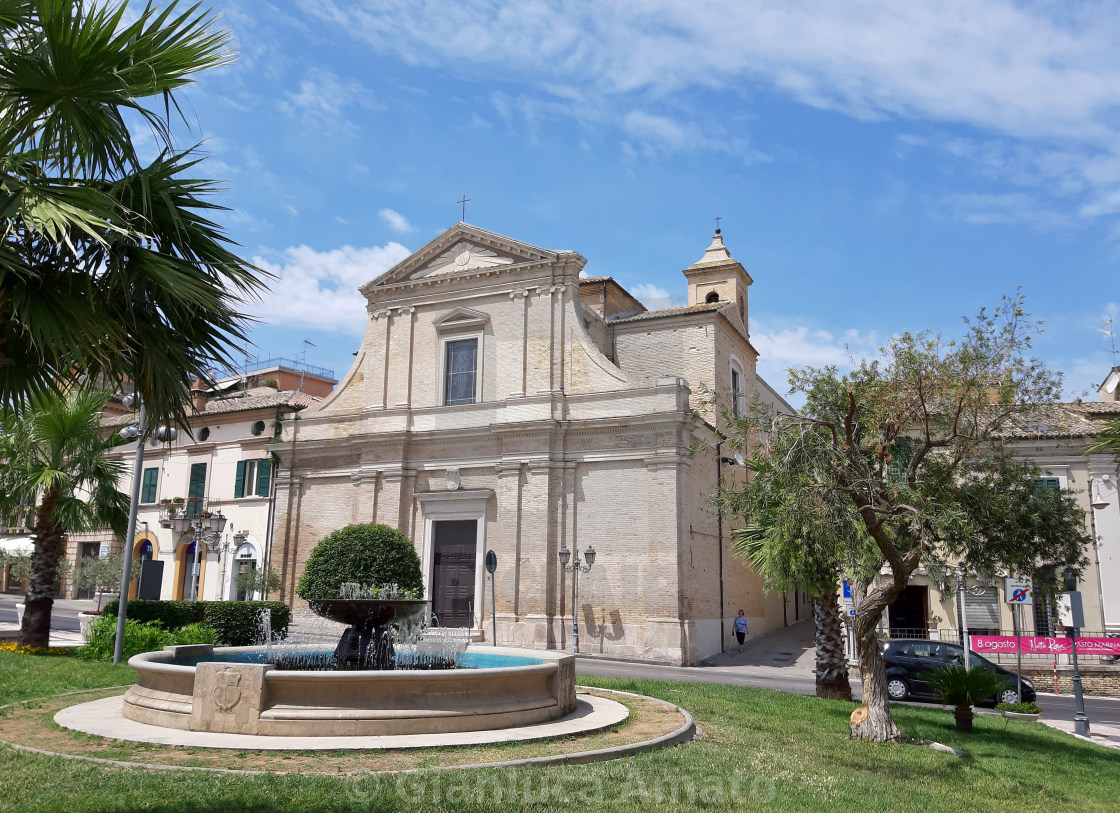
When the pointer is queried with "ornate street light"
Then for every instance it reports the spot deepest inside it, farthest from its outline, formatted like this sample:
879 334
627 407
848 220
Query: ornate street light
207 531
575 568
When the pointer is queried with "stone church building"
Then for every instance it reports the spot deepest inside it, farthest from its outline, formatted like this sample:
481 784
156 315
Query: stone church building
501 402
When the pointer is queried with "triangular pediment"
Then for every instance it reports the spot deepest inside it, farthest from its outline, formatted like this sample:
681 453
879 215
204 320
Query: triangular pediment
462 249
461 316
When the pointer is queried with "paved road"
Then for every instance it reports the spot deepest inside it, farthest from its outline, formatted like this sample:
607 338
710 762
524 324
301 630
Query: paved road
64 616
1061 707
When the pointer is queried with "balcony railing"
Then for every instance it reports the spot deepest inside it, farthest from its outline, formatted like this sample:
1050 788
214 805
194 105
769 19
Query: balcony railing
190 508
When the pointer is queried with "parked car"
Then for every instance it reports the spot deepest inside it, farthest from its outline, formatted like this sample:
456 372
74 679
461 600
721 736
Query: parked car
907 660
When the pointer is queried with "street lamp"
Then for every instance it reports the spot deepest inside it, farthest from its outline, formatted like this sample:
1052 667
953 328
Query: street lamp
130 433
737 460
575 568
207 531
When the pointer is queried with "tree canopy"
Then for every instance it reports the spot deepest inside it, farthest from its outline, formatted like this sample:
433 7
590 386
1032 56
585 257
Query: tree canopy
902 463
55 470
111 267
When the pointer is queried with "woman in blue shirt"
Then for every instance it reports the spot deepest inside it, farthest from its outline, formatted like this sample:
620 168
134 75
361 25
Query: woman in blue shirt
741 629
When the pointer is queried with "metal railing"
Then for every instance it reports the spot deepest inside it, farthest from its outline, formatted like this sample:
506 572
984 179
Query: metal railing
255 365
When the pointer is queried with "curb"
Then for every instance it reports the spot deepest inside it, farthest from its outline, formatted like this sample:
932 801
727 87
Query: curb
685 733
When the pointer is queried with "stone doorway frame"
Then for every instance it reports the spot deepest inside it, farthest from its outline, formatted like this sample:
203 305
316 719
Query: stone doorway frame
463 504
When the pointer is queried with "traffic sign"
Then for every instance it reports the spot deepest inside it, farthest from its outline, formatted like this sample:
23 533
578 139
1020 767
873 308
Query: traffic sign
1017 591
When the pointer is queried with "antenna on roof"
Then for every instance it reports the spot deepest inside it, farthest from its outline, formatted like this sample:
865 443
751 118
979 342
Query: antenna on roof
303 362
1107 331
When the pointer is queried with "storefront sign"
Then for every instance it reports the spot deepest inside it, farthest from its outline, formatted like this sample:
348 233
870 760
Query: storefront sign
995 644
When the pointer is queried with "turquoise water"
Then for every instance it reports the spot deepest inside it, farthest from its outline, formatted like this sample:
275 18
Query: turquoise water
466 660
485 660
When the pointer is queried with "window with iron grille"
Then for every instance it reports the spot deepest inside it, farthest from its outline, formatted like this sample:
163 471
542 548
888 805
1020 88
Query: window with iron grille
461 366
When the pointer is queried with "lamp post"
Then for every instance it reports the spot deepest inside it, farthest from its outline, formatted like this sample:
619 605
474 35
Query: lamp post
207 531
137 433
737 460
575 568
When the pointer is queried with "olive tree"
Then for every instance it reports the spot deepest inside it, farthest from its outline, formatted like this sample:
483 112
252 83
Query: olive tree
909 448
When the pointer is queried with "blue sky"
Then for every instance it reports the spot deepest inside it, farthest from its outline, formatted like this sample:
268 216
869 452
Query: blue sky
878 167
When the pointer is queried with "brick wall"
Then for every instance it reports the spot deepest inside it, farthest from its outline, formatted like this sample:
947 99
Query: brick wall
1098 681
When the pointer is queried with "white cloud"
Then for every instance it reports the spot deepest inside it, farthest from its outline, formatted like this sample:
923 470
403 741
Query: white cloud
782 346
1037 84
322 100
319 289
653 296
396 221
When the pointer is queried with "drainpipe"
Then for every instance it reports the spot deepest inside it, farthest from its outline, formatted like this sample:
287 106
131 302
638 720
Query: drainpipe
719 534
271 516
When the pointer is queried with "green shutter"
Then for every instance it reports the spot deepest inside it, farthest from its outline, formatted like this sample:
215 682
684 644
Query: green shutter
239 480
197 488
264 472
151 483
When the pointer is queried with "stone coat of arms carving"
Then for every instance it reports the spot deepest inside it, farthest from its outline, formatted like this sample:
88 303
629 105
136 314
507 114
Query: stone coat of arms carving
227 691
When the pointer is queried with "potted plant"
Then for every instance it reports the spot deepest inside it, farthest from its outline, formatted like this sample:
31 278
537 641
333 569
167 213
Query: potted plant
935 621
1020 711
962 689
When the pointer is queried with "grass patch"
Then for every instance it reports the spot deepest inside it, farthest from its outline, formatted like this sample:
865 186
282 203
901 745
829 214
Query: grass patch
23 677
760 750
32 724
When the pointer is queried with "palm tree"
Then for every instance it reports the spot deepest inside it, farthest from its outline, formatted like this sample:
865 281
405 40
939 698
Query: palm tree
55 470
1108 439
109 266
754 546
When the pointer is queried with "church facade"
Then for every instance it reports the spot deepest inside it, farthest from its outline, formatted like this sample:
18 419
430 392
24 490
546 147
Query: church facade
501 402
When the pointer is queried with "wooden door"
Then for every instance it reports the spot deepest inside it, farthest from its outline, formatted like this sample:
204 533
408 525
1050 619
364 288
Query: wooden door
453 572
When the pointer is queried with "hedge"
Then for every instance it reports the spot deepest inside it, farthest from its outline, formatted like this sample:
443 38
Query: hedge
370 555
234 621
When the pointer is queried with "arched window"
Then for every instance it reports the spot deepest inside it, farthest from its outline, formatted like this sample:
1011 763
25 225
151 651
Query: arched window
713 296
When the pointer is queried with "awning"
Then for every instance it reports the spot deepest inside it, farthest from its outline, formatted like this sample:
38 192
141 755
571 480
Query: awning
19 545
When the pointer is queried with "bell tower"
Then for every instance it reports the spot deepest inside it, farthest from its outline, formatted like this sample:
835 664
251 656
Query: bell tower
719 277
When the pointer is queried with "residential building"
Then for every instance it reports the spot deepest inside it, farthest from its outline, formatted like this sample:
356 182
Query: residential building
227 468
501 403
1055 437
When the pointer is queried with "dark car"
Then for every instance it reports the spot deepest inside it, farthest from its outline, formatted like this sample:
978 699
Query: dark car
907 660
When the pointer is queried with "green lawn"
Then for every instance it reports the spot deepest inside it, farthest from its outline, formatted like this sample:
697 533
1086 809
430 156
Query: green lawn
759 750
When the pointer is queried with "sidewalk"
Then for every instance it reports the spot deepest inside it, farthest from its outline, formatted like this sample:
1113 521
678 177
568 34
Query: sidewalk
1106 735
59 638
789 648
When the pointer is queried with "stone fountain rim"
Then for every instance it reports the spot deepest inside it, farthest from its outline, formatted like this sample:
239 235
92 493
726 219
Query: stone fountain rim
156 661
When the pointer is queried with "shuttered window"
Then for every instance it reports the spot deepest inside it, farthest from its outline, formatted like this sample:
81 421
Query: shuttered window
253 478
149 486
197 489
264 473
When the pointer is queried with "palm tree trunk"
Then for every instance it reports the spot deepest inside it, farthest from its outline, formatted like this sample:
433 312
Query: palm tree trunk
36 628
832 660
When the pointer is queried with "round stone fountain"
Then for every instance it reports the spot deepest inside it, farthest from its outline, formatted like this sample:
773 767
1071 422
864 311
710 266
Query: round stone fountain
358 690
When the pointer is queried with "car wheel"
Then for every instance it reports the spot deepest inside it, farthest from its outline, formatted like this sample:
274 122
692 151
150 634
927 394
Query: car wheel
897 689
1008 696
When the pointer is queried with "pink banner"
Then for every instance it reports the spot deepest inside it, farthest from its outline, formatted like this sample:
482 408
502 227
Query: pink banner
996 644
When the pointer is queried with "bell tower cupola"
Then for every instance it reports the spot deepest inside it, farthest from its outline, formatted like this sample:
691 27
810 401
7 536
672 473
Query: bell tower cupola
718 277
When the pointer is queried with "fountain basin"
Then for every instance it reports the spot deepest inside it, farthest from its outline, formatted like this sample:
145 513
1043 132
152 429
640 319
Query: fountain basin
203 688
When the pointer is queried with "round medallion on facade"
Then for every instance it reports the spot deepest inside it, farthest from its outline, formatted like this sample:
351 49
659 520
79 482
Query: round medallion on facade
463 257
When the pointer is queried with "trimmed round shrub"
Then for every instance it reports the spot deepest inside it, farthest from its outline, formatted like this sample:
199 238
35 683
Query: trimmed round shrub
371 555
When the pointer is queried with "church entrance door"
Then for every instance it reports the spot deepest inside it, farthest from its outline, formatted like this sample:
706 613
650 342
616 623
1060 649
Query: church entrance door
453 577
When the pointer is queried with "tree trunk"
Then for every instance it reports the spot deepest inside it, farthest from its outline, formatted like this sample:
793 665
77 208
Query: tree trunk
36 628
878 727
832 660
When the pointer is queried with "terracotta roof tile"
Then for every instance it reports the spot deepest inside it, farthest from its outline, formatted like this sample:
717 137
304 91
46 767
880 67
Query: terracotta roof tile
241 401
683 311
